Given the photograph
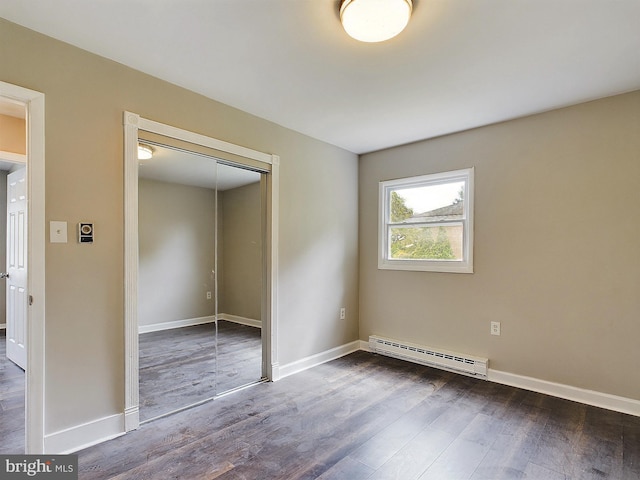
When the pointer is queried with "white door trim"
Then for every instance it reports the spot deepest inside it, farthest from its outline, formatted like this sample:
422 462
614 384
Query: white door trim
34 404
132 124
198 139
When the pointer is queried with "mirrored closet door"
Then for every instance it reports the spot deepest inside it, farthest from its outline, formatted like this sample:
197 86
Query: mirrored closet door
200 230
240 264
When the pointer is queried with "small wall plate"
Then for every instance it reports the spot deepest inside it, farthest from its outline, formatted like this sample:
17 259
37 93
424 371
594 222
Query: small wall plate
85 232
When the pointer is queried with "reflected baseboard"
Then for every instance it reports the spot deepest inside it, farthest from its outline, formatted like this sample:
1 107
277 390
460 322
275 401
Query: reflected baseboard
189 322
238 319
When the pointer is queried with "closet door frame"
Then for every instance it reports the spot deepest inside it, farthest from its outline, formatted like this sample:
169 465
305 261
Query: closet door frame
266 163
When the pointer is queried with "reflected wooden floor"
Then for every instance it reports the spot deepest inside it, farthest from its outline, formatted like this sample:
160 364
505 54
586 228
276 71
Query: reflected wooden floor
365 416
178 366
12 384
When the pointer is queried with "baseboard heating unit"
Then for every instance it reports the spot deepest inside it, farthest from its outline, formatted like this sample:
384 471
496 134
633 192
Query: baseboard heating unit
455 362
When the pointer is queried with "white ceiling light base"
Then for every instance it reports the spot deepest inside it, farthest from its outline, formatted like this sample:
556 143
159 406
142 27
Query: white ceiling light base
375 20
145 152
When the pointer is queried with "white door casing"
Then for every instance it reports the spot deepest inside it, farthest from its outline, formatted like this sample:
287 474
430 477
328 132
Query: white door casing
34 103
16 281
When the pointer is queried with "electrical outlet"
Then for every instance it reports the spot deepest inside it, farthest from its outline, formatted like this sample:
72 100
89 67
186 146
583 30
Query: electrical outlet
208 295
343 313
495 328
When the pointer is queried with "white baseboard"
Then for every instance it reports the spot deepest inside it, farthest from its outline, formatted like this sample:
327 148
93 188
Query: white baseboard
589 397
131 418
317 359
86 435
82 436
242 320
275 372
188 322
568 392
3 326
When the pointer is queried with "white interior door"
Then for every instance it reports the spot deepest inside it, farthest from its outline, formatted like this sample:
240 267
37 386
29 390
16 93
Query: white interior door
16 275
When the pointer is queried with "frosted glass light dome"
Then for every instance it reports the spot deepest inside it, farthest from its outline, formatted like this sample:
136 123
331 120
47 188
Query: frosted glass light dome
375 20
145 152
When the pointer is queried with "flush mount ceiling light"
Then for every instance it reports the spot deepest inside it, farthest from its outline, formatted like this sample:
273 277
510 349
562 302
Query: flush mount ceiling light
375 20
145 152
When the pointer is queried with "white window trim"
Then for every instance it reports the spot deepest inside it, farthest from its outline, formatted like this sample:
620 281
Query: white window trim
450 266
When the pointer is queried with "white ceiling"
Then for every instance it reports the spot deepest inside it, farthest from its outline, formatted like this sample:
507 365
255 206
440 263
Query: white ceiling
175 166
458 65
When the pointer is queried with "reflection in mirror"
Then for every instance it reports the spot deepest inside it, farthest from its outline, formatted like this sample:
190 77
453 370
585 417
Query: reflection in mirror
239 267
181 280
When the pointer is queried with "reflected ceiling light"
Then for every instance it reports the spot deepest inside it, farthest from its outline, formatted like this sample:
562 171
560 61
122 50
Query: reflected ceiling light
145 152
375 20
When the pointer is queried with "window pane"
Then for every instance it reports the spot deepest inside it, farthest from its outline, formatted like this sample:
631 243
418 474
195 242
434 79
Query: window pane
426 243
426 222
427 203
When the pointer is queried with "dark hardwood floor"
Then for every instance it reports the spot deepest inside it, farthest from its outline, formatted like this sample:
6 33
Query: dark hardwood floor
239 355
365 416
12 385
178 366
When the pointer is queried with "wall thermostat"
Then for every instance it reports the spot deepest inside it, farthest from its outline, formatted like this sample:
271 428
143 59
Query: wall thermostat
85 232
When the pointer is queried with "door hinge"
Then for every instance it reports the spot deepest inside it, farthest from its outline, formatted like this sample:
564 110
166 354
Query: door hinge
30 299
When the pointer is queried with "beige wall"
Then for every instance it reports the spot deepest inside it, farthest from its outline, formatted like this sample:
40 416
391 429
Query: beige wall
84 181
13 134
241 259
556 248
176 229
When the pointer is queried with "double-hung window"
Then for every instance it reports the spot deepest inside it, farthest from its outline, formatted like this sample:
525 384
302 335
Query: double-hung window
426 223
